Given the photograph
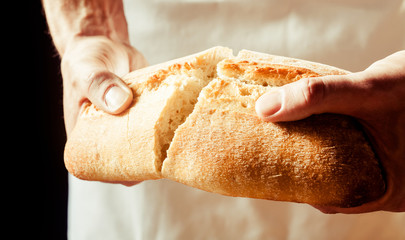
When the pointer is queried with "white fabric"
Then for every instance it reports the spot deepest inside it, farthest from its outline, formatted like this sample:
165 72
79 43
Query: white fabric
350 34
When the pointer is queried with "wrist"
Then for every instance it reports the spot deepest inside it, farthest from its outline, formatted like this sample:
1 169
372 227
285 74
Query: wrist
69 19
106 19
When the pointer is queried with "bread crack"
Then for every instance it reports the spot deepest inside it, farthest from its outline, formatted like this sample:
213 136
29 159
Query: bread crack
183 88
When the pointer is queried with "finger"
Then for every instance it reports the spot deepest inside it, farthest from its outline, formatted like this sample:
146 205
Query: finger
365 208
127 184
334 210
108 92
301 99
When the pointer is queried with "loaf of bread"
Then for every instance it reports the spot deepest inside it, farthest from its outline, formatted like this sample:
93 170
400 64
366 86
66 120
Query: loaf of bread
131 146
193 121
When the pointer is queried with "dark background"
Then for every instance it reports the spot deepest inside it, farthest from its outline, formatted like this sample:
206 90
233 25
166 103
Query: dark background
40 78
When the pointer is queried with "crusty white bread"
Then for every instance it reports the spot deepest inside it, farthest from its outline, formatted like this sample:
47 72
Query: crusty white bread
223 146
132 146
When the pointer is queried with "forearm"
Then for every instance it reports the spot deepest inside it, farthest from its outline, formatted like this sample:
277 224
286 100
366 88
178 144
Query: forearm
68 19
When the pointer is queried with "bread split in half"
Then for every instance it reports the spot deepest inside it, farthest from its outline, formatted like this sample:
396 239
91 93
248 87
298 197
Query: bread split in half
193 121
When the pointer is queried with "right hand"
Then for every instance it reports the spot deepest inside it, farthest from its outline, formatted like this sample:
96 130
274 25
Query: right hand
91 69
92 38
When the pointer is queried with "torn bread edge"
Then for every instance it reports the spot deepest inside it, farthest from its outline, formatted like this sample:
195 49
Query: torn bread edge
132 146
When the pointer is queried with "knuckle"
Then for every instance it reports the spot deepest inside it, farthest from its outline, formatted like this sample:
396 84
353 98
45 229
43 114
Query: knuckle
99 80
313 91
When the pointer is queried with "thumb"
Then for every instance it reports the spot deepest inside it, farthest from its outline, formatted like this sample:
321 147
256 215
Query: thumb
108 92
88 66
308 96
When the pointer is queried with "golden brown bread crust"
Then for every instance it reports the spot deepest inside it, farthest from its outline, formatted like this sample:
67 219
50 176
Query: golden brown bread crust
102 147
223 147
125 147
241 156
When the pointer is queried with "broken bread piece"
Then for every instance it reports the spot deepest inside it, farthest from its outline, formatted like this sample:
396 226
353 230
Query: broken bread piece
193 121
131 146
223 147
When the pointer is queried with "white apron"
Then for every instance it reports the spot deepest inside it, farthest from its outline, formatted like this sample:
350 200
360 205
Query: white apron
350 34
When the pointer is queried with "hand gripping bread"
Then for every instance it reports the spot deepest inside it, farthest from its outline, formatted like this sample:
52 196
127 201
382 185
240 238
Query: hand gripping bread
132 146
193 121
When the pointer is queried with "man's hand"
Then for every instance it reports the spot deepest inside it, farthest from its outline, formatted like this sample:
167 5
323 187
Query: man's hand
375 97
91 70
92 39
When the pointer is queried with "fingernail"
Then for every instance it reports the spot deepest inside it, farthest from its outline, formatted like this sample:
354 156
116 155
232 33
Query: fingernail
115 98
269 104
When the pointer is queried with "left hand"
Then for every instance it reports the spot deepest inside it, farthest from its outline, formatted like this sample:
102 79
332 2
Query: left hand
375 97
